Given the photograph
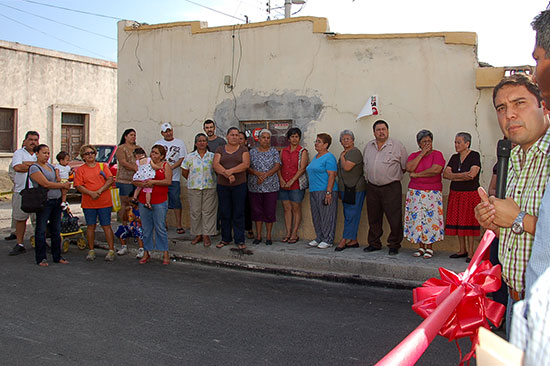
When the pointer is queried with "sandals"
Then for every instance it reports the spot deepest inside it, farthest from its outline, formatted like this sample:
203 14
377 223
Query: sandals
420 252
285 239
207 242
197 240
293 240
250 234
429 253
180 230
222 244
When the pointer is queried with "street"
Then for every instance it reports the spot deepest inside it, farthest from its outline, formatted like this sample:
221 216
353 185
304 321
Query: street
99 313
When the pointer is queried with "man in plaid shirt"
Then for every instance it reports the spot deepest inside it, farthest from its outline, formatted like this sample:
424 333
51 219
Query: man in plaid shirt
521 115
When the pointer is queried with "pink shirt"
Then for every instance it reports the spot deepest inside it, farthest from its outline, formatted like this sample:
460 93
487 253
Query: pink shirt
427 183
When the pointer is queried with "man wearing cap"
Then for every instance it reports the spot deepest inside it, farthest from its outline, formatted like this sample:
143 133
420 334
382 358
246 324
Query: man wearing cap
175 153
214 141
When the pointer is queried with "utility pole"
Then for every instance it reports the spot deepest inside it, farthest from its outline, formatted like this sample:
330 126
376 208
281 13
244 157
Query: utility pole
288 5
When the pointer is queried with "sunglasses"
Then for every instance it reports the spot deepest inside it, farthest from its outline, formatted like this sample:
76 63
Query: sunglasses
89 153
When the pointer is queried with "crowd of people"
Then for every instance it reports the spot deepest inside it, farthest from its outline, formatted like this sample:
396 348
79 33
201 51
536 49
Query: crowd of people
231 185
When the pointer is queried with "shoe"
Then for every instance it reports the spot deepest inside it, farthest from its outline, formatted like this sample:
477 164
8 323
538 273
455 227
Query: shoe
257 241
293 240
468 260
370 248
323 245
339 249
180 230
356 245
393 251
91 255
64 205
250 234
144 260
140 253
123 250
313 243
43 263
268 242
456 255
10 237
110 256
18 249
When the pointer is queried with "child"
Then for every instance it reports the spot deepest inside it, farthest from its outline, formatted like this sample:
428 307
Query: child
145 172
133 229
63 170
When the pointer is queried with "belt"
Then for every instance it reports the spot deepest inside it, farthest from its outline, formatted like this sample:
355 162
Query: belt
515 295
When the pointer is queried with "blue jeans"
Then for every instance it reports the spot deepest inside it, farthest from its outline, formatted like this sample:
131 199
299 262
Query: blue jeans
174 193
352 216
231 201
154 219
52 214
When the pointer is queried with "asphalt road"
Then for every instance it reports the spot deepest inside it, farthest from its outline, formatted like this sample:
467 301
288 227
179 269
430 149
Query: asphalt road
123 313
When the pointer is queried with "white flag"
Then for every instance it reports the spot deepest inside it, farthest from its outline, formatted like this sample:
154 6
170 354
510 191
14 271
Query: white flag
370 108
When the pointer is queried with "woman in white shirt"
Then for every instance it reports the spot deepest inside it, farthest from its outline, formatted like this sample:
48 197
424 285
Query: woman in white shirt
201 189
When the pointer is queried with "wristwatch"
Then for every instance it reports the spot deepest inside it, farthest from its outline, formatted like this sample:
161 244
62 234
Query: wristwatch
517 225
328 193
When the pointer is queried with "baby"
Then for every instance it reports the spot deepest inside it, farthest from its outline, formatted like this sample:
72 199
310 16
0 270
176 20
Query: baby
145 172
63 170
133 229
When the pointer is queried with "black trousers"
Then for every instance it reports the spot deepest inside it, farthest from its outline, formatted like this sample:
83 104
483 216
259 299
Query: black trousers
386 199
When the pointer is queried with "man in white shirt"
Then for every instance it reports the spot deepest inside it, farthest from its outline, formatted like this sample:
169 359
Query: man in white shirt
175 153
22 159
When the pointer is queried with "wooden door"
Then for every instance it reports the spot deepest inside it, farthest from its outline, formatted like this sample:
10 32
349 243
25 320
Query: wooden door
72 138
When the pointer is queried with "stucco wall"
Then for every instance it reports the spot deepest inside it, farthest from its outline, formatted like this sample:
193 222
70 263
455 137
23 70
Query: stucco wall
41 84
292 70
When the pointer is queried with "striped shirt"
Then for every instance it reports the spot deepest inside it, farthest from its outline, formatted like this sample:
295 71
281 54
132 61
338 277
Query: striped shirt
526 187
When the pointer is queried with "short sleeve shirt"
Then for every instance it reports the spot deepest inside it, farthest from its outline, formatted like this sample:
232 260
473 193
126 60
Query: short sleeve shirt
201 174
214 144
472 159
19 157
49 175
262 162
317 172
427 183
353 178
93 178
175 150
229 161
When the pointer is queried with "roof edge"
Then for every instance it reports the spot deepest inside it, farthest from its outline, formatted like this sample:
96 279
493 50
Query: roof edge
461 38
57 54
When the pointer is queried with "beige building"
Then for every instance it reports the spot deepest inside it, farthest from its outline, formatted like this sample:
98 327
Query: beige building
295 72
70 100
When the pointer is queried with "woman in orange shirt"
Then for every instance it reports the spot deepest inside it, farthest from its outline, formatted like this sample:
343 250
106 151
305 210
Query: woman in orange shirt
94 183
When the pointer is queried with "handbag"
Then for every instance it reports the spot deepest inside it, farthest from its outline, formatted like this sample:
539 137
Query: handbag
115 192
33 199
69 223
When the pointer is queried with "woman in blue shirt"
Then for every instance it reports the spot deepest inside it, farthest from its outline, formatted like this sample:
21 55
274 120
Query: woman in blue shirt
323 192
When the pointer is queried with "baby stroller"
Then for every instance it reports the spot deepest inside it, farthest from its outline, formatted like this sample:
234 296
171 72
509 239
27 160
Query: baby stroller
69 227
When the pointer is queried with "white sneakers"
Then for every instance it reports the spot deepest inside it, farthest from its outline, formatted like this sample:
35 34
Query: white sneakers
313 243
321 245
123 250
140 253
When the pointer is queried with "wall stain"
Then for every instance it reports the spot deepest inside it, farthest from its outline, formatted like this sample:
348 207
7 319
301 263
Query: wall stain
252 106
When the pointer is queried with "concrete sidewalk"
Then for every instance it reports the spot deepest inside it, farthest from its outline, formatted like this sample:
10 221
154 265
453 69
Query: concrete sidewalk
350 265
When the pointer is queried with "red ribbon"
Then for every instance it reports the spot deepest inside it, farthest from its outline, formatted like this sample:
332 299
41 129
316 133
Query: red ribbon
473 310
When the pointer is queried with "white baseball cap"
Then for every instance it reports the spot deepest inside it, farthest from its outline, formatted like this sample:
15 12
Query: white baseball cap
166 126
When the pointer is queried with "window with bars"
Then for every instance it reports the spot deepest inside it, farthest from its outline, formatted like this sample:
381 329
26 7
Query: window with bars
278 129
8 120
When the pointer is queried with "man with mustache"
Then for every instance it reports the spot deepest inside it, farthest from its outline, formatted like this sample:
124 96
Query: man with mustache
521 116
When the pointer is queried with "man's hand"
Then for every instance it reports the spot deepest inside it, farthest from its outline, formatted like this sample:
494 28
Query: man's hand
506 211
485 211
95 195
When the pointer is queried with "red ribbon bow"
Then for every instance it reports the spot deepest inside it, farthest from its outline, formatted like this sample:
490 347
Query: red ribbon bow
473 310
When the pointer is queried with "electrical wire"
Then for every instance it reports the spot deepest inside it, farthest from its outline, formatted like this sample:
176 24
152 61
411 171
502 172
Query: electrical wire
55 21
73 10
214 10
52 36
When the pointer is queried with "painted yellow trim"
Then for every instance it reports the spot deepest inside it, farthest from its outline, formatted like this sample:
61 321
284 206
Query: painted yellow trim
320 25
489 77
464 38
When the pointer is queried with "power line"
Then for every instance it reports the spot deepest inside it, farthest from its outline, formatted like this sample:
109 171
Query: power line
206 7
55 21
73 10
49 35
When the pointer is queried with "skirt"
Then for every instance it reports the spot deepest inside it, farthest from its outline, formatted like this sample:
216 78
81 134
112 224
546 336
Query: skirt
461 218
423 222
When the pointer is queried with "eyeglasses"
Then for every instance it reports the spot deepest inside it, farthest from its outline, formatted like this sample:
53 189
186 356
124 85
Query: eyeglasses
89 153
